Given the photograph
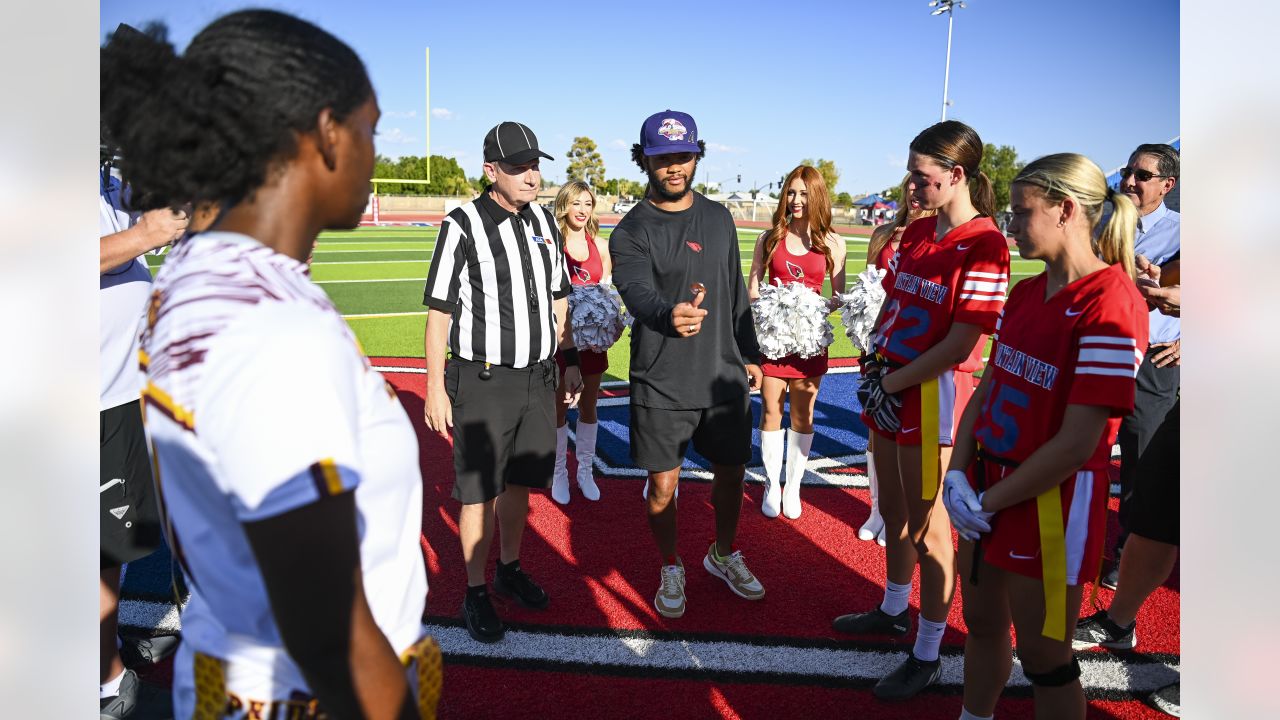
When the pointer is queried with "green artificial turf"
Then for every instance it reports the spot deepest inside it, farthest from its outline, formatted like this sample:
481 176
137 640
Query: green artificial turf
380 272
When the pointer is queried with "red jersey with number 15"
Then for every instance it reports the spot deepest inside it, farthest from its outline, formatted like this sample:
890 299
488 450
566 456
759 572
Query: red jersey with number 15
1083 346
961 278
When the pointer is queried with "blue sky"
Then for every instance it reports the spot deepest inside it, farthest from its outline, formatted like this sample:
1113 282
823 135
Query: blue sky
768 83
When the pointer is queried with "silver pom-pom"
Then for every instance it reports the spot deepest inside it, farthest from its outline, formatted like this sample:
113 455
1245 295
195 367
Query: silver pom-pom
791 320
597 316
860 306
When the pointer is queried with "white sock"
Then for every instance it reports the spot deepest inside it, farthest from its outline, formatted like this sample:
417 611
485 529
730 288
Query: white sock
966 715
895 597
111 688
928 639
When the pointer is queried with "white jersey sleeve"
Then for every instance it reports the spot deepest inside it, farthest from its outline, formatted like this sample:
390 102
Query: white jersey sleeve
280 409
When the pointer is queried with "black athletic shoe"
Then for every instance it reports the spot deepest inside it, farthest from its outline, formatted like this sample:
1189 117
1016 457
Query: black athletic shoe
909 678
482 620
514 582
1168 699
1098 630
141 651
1111 578
876 622
122 705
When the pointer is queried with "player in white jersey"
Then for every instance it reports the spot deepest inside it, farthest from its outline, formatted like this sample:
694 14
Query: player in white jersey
287 469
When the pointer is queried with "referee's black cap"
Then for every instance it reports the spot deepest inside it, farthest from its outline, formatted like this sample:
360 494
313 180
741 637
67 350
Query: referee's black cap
512 143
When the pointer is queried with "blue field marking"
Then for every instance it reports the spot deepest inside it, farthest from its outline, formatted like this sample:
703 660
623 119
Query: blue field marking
837 458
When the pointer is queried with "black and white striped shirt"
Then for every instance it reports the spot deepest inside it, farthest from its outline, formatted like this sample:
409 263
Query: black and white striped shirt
497 273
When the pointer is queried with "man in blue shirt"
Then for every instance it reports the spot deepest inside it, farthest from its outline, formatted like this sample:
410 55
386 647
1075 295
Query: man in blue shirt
1151 173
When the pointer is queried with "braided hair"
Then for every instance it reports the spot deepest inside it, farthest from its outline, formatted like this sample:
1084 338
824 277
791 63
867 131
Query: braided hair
209 126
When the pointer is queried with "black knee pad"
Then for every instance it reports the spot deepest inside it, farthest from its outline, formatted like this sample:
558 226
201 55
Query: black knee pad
1057 677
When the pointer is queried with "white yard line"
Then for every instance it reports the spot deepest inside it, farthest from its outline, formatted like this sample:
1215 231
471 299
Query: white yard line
368 262
1099 671
371 316
322 250
370 280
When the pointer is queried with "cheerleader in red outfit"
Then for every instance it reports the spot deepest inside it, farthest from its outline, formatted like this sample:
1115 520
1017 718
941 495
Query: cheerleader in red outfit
1027 486
880 251
587 255
799 248
948 284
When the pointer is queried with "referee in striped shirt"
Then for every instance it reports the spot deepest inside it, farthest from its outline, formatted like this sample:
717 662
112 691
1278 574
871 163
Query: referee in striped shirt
498 294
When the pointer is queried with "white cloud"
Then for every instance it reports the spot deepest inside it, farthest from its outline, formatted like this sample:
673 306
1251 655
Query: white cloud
400 115
619 144
442 113
717 147
896 161
395 136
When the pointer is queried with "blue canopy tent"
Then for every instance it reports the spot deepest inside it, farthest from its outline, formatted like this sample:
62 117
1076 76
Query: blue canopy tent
869 201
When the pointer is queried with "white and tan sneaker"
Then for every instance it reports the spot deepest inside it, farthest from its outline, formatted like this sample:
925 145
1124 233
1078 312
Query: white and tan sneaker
669 602
733 570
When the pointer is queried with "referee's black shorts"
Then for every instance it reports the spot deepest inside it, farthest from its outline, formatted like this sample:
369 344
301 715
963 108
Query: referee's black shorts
720 433
504 428
130 524
1153 512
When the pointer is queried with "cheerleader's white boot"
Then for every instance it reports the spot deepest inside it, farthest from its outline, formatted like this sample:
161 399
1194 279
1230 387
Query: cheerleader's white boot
798 445
771 455
586 453
560 477
873 528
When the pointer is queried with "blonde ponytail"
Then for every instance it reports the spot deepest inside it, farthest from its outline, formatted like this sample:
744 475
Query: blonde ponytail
1068 175
1115 242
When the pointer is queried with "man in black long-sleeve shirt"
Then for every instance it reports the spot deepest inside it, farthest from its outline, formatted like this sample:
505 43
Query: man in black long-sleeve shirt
694 356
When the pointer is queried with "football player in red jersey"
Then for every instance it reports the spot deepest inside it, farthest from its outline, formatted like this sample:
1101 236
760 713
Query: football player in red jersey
1027 485
880 251
800 248
949 284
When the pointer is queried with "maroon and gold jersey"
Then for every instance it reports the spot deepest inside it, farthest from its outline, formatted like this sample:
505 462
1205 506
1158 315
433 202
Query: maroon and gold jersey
961 278
1082 346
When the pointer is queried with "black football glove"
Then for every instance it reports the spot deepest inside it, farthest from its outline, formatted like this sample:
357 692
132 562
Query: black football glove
880 405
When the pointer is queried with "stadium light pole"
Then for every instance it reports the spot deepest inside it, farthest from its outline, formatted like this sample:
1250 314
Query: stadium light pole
948 7
428 74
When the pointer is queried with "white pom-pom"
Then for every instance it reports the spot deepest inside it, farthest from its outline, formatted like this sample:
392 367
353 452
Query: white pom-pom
860 306
791 320
597 316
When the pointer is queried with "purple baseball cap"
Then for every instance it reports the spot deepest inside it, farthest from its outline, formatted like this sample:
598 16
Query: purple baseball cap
670 131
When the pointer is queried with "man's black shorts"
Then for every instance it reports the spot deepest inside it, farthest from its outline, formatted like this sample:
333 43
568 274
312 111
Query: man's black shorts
720 433
1154 504
130 523
504 428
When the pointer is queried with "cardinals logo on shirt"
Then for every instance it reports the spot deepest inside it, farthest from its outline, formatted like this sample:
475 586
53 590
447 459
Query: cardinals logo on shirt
583 274
796 271
672 129
693 246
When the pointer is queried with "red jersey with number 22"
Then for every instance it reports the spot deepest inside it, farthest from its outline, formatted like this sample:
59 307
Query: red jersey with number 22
961 278
1082 346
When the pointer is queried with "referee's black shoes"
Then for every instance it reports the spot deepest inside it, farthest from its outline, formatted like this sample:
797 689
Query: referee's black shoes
511 581
483 623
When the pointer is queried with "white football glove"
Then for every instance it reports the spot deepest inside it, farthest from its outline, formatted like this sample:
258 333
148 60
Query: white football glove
964 507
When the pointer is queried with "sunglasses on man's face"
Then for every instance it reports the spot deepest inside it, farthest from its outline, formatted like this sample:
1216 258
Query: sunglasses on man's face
1142 175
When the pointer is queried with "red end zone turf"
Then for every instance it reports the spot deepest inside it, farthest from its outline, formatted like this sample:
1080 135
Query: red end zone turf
601 650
